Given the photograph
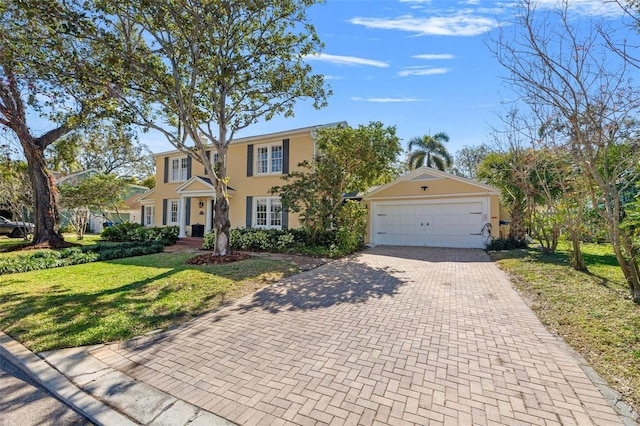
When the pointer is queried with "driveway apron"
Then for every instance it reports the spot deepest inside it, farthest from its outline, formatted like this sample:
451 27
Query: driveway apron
389 336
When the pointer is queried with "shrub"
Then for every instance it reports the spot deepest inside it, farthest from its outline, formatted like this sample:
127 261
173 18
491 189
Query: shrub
136 232
298 241
506 244
75 255
351 222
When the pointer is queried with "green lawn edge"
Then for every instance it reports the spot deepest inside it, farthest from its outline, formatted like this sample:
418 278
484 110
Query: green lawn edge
592 312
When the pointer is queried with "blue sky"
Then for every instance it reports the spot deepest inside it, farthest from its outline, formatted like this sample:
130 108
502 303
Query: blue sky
420 65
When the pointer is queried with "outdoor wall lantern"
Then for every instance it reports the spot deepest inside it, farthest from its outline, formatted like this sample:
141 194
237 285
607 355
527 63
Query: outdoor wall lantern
201 205
201 213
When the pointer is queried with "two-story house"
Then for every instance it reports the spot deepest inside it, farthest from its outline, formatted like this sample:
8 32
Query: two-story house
426 207
184 194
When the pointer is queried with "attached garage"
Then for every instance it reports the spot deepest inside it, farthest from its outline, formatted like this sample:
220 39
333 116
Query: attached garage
431 208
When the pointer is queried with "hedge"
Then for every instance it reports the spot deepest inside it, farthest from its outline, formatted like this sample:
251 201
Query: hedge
76 255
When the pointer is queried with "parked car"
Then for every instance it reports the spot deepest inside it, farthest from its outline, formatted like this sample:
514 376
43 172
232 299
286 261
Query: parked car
15 229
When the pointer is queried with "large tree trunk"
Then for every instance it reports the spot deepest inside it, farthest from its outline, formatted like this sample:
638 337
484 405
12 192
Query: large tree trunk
221 222
45 203
577 260
517 229
630 268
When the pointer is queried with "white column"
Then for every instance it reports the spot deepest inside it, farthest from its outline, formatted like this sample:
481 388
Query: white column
207 212
182 217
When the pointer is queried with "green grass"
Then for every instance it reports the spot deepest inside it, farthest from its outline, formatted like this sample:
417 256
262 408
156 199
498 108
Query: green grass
8 245
591 311
109 301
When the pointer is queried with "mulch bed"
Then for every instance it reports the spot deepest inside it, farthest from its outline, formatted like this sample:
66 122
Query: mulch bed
214 259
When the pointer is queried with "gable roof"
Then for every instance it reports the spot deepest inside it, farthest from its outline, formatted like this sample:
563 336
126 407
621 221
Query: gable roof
275 135
425 173
208 184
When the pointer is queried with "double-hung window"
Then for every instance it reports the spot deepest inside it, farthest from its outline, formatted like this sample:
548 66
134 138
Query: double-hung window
173 215
268 212
179 169
269 159
149 215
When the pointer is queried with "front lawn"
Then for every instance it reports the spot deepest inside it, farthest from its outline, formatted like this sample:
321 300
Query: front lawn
592 312
115 300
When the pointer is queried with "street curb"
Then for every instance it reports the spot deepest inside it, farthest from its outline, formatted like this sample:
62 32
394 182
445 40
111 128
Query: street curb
58 385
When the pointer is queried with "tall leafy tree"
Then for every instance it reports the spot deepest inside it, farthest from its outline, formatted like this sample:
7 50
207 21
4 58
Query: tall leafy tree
572 71
429 151
348 160
100 192
43 63
104 146
468 159
204 70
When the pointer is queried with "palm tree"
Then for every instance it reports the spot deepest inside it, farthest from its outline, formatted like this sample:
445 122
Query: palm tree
430 152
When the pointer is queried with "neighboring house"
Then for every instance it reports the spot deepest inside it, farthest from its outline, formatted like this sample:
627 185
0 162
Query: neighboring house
129 213
426 207
184 195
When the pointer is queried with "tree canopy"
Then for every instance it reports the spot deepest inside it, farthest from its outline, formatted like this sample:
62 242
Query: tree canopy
348 160
198 72
47 62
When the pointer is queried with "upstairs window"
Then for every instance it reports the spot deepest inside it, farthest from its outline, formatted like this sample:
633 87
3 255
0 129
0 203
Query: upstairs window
269 159
179 167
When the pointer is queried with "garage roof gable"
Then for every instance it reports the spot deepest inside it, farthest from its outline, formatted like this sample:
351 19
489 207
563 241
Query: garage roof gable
426 174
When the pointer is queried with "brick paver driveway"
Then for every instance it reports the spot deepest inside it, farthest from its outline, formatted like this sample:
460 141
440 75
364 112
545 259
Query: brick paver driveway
391 336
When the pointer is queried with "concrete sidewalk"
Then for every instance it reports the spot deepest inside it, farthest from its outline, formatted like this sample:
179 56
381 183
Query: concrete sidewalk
103 395
390 336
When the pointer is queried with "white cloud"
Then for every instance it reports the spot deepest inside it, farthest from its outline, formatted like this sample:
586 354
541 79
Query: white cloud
346 60
422 71
586 7
387 100
579 7
461 24
434 56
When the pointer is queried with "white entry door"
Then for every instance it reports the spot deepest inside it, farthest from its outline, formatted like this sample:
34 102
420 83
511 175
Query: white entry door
434 224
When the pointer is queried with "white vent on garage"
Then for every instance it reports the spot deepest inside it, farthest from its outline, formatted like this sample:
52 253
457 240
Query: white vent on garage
423 177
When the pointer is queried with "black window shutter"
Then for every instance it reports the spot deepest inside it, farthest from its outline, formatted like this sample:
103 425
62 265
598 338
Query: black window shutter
164 211
250 160
285 219
142 215
189 160
285 156
187 211
249 212
166 169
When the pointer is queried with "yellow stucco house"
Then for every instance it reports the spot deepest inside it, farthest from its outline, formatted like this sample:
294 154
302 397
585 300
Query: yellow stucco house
184 194
423 208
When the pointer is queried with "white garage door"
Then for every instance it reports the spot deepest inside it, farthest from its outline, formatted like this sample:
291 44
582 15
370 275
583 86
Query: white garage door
453 224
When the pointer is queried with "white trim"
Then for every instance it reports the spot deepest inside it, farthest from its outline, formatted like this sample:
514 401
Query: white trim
488 189
424 197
